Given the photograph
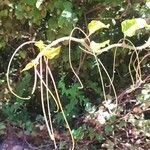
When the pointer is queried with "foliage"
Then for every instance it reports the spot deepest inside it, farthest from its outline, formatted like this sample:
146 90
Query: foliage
94 25
73 100
129 27
12 111
15 111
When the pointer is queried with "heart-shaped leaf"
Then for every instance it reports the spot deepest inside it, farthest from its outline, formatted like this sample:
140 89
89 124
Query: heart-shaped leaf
130 26
49 53
95 25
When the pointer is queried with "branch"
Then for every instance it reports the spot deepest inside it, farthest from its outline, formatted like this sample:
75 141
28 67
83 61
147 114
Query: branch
124 45
89 50
67 38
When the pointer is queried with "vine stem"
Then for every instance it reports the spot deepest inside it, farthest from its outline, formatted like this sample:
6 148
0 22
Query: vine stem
48 102
61 107
43 106
76 28
67 38
124 45
8 71
83 43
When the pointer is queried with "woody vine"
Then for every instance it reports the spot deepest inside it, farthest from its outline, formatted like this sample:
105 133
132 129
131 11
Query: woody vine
47 52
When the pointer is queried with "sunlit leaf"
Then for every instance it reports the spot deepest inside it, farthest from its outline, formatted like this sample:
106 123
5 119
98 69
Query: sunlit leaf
97 46
66 14
52 52
95 25
65 17
30 65
49 53
40 44
39 3
130 26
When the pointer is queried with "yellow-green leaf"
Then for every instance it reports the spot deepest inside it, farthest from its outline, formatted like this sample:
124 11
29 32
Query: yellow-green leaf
40 44
49 53
30 65
130 26
95 25
97 46
52 52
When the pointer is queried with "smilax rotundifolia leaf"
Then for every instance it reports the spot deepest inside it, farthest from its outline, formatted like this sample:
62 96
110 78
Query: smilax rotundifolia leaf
95 25
130 26
49 53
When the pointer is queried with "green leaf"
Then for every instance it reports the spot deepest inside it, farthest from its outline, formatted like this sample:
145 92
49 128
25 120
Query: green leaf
52 24
90 108
97 46
91 133
65 17
67 5
130 26
121 124
66 14
108 129
36 14
78 133
99 137
95 25
19 12
51 34
31 3
23 54
58 4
